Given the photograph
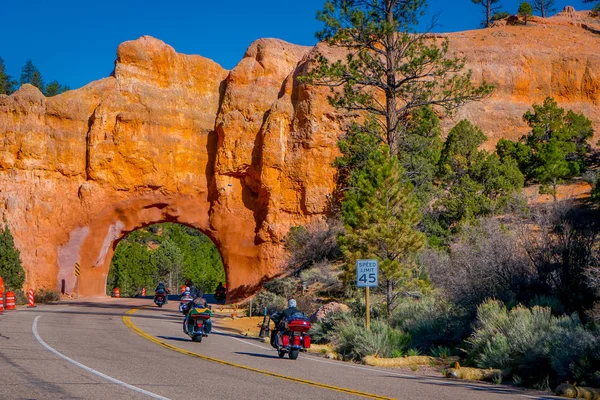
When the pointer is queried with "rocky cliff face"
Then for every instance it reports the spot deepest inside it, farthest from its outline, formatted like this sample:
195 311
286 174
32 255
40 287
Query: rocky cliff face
242 155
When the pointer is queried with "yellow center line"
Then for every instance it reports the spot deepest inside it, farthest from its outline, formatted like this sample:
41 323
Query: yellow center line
131 325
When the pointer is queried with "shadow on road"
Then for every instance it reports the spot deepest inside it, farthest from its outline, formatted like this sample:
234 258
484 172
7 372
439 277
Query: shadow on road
178 339
256 354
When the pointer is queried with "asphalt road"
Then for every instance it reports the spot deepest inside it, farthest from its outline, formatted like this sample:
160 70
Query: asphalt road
94 350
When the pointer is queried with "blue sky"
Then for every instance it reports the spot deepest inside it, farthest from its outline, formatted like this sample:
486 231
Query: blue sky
75 41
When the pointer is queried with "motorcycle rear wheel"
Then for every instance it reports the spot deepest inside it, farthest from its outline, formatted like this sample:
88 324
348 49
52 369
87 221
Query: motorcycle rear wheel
159 305
294 353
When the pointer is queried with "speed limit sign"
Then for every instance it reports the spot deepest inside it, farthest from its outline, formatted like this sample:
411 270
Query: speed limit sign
367 273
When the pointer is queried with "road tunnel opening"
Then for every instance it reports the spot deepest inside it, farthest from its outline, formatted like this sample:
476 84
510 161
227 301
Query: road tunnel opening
169 252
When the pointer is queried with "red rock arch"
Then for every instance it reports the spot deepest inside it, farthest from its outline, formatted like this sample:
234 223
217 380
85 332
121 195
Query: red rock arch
167 137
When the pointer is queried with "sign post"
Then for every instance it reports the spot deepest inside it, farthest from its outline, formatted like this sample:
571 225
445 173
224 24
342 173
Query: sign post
77 274
367 276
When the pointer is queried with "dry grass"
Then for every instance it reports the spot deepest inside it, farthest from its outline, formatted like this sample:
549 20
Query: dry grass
410 361
577 392
475 374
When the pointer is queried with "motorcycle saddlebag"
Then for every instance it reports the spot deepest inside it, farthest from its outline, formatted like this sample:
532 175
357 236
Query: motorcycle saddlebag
200 313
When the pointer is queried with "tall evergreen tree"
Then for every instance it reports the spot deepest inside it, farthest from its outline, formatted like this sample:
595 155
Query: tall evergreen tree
478 183
552 167
556 148
38 82
11 268
54 88
7 84
167 261
30 74
381 217
389 71
490 8
543 6
420 146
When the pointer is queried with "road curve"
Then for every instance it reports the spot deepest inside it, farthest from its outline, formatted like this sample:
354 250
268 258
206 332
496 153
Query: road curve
99 350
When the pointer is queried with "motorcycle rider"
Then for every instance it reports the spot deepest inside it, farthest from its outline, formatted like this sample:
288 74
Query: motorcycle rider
279 318
194 290
199 302
220 292
160 288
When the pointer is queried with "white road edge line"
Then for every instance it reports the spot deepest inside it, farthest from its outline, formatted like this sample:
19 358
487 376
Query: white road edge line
93 371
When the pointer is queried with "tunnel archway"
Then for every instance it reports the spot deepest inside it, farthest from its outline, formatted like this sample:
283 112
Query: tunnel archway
168 252
166 138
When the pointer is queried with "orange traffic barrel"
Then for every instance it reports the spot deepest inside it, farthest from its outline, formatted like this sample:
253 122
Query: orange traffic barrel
30 299
117 293
143 292
1 285
1 302
10 301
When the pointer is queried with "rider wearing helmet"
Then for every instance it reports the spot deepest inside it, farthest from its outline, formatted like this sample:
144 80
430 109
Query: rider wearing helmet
291 310
280 319
160 288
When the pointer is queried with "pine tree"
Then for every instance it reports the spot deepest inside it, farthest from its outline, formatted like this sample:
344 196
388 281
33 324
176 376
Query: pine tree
38 82
167 261
525 10
54 88
30 74
490 8
543 6
27 72
553 167
11 268
6 82
390 71
381 218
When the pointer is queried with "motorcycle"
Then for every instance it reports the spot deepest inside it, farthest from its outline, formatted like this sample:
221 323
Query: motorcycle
184 301
160 298
292 337
197 323
220 295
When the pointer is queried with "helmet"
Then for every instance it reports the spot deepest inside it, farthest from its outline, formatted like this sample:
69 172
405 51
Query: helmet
291 303
187 289
161 283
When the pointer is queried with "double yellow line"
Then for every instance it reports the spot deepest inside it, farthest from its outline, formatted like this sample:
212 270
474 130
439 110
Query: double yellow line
131 325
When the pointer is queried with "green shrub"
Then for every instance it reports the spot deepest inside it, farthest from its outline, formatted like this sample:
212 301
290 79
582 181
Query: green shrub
321 332
44 295
284 287
396 353
323 274
11 269
430 322
440 351
353 341
413 352
533 344
267 299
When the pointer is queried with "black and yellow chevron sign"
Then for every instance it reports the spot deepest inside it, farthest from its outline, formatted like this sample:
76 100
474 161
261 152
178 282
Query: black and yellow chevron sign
77 269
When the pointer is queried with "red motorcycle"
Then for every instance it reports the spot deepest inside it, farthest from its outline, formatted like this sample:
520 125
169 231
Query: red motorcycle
291 337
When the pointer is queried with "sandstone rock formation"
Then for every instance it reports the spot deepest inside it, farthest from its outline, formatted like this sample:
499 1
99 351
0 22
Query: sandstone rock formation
242 155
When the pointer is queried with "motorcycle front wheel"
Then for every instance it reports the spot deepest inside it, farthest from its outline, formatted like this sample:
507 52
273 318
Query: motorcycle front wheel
294 353
281 353
197 338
